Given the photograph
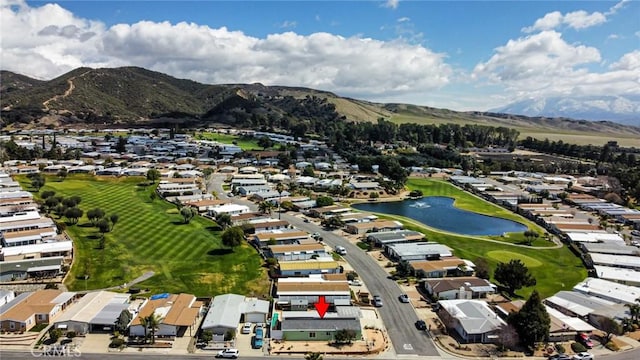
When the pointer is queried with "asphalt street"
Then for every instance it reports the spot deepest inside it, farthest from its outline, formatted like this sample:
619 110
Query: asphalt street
399 318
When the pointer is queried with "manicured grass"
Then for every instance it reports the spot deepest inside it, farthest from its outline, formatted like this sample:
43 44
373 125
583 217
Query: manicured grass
150 235
245 144
560 269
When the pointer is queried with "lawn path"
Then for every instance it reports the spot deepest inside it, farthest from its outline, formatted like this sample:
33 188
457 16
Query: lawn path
135 281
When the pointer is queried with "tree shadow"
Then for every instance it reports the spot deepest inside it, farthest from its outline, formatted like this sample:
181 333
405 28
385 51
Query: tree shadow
179 222
219 252
214 228
94 237
84 225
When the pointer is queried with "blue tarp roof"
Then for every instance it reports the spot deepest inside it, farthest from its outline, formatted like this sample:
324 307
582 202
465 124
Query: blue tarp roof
159 296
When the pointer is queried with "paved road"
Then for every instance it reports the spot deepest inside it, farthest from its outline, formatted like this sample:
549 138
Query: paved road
399 318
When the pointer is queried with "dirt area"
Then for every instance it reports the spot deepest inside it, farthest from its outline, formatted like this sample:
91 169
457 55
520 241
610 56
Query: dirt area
375 343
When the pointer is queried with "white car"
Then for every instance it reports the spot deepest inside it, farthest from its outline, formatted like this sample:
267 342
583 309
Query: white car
355 282
228 354
246 328
583 356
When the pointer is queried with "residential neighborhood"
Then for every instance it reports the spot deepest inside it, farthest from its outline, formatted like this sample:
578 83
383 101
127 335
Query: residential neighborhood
316 244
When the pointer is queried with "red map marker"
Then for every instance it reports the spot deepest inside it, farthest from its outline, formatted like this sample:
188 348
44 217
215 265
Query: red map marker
321 306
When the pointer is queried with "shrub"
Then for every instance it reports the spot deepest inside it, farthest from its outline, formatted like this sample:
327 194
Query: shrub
560 349
577 347
612 346
116 343
71 334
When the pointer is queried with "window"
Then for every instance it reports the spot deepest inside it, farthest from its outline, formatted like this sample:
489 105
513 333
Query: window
12 325
312 334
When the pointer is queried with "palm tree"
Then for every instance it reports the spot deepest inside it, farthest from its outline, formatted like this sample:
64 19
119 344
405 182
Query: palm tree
634 311
265 207
313 356
152 321
279 189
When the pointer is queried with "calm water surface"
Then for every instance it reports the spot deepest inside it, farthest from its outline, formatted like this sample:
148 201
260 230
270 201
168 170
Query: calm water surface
439 212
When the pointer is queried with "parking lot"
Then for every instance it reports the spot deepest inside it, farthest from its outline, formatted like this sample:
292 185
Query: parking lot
244 342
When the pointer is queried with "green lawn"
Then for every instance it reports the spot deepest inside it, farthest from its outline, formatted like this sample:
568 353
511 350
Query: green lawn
555 269
245 144
150 236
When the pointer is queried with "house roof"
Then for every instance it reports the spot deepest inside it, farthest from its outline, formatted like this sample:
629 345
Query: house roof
282 235
150 308
474 316
182 313
609 290
308 265
381 224
278 249
431 265
28 265
313 287
207 202
91 305
255 305
455 283
225 311
264 224
39 302
578 303
335 277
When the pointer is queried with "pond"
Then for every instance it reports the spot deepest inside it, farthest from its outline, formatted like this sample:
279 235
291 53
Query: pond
438 212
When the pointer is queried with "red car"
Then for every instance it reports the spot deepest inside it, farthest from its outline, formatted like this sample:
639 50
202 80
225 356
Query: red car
585 340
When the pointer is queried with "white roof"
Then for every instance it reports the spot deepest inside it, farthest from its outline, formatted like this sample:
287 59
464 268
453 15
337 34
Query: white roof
617 274
89 306
593 237
569 322
609 290
225 311
38 248
616 260
229 208
475 316
577 302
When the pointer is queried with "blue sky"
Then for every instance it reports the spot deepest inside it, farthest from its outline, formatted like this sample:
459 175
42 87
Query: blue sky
463 55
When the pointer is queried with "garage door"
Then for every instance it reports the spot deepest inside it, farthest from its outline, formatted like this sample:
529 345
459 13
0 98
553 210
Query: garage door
254 318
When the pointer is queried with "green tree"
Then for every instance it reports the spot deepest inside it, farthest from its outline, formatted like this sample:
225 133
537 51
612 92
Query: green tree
73 214
322 201
264 142
530 235
187 213
104 226
532 321
224 220
94 215
344 336
333 222
265 207
483 271
233 237
308 171
123 320
153 322
513 275
62 174
121 145
55 334
114 220
47 194
280 190
37 180
206 336
610 327
403 268
153 175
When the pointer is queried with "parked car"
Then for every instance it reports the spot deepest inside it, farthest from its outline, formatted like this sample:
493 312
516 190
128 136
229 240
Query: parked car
341 250
246 328
258 338
377 301
306 220
228 354
559 357
421 325
404 298
585 340
635 232
355 282
259 326
583 356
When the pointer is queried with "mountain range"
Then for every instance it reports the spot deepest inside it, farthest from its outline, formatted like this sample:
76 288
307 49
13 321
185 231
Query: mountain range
620 109
132 96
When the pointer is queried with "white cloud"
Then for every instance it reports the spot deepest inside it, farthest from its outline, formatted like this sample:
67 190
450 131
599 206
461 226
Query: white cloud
288 24
613 37
577 20
48 41
582 20
403 19
393 4
544 65
614 9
